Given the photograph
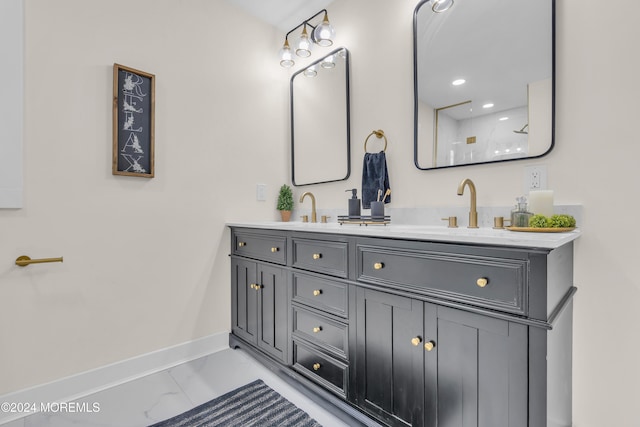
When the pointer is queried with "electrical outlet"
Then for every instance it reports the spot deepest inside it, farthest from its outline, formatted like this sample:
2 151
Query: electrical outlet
261 192
535 178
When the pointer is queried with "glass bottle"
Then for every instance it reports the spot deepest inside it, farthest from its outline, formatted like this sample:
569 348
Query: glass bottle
520 215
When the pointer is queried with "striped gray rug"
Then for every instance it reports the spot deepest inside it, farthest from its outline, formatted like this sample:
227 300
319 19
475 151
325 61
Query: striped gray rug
254 404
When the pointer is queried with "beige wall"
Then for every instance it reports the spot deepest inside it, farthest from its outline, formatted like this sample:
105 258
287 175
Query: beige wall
145 260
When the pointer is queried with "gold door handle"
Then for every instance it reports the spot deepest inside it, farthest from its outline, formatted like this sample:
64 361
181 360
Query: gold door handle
482 282
316 366
416 341
24 260
241 244
274 250
378 266
317 329
429 345
317 292
317 256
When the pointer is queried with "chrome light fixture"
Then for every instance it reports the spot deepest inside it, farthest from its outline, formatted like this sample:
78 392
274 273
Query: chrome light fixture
321 34
441 5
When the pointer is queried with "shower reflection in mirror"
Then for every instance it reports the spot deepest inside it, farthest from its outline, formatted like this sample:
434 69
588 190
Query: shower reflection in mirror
461 137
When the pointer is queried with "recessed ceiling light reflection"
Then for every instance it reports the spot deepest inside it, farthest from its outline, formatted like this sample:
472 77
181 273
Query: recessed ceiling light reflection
489 105
458 82
502 119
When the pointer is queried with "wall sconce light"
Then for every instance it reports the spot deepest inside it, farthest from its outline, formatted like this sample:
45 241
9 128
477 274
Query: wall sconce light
321 34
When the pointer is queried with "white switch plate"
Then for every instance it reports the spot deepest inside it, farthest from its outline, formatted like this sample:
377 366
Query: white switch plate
535 178
261 192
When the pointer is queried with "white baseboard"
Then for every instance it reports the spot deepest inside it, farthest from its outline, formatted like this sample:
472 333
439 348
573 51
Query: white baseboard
85 383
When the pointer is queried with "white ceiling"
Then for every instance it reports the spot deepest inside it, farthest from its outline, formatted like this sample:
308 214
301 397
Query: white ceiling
282 14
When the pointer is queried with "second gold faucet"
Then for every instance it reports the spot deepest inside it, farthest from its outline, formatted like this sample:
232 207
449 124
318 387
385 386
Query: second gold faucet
473 212
313 204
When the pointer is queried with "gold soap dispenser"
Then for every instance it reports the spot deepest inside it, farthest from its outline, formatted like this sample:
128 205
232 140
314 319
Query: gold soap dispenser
520 214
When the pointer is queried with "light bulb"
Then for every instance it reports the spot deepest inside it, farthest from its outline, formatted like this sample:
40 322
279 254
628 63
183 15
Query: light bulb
441 5
303 49
324 33
311 71
328 62
286 56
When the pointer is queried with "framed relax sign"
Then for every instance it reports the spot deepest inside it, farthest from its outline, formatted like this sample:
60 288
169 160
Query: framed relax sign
133 122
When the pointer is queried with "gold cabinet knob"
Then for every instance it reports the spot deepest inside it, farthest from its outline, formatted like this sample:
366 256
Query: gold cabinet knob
257 287
378 266
316 366
416 341
274 250
429 345
252 286
317 329
242 244
317 292
317 256
482 282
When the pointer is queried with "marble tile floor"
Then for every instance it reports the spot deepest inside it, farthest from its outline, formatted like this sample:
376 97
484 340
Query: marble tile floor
167 393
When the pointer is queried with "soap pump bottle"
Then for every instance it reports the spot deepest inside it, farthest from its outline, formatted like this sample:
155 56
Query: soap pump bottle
354 203
520 215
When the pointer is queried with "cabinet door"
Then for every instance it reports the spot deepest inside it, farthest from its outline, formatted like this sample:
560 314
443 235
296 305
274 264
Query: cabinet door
272 311
482 371
244 300
389 366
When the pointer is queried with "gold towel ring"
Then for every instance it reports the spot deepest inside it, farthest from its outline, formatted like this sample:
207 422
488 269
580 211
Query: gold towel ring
380 134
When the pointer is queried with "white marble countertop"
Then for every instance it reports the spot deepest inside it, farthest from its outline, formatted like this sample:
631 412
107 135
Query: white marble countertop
484 236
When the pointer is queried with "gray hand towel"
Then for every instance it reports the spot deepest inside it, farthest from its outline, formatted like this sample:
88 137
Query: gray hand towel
375 176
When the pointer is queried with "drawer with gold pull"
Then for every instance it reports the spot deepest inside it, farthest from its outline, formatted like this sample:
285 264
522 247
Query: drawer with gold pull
496 283
329 334
321 368
261 246
321 256
322 294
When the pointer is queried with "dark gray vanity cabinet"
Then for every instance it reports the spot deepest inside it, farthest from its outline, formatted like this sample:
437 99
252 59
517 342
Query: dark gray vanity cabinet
259 295
321 327
389 368
420 364
409 332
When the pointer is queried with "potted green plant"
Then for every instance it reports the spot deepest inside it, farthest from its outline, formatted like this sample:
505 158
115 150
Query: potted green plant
285 202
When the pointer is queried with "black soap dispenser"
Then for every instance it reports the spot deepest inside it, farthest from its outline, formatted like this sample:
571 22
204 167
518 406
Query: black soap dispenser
354 204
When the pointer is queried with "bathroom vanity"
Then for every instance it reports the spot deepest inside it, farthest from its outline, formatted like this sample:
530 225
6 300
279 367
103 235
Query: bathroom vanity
420 326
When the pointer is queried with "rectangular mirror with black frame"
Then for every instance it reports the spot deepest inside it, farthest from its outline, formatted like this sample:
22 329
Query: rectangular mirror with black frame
320 132
483 81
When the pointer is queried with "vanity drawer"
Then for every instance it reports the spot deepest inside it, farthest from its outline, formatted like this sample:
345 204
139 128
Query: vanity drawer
321 368
496 283
322 331
265 247
322 294
321 256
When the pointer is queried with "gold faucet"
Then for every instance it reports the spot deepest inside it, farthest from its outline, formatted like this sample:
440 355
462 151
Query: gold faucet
473 213
313 204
